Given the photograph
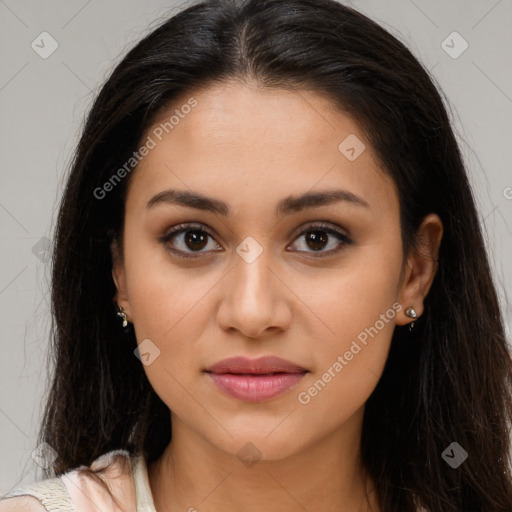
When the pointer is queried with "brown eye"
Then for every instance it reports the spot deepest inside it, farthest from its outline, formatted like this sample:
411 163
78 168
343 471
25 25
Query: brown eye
319 236
185 240
316 239
195 240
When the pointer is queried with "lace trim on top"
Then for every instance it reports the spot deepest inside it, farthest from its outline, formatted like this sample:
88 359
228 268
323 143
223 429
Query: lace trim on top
55 495
52 493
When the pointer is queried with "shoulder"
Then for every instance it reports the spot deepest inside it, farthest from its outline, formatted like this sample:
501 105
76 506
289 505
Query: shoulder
112 489
21 504
79 490
50 494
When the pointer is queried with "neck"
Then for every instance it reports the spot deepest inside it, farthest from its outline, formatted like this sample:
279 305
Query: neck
193 475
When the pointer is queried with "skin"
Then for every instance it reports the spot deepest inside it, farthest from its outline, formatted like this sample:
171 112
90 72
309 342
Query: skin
251 148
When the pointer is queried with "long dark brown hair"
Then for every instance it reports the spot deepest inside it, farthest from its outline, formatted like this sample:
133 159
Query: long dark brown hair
449 380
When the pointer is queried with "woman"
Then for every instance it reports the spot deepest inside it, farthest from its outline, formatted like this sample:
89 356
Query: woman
268 242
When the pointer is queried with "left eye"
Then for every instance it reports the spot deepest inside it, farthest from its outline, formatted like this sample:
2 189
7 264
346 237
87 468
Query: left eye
195 238
319 236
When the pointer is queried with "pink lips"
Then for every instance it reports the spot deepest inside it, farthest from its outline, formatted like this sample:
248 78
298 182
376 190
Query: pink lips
255 380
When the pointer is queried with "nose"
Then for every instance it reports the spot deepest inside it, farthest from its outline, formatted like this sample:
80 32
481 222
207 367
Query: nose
255 300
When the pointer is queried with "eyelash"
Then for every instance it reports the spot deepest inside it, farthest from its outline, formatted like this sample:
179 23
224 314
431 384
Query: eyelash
320 226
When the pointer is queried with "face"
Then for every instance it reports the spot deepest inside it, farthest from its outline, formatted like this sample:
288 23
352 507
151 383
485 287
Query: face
260 270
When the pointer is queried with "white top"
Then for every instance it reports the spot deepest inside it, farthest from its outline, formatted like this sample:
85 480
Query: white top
127 478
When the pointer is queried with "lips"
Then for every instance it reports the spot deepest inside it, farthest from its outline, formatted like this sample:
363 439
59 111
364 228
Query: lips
255 380
262 365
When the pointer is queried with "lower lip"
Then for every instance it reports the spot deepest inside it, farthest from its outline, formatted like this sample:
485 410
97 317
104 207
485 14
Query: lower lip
255 388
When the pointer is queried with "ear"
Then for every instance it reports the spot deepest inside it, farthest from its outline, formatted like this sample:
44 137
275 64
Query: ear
421 267
119 277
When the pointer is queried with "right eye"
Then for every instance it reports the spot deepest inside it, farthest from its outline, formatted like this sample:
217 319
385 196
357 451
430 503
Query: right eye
191 237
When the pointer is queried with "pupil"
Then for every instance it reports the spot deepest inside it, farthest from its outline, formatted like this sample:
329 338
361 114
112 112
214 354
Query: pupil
195 239
315 240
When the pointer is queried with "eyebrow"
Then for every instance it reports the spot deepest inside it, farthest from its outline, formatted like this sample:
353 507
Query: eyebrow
287 206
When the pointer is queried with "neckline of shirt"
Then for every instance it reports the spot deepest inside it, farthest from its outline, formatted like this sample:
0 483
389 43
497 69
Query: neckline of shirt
143 494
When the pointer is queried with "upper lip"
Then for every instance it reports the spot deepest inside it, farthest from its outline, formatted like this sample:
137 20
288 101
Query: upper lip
261 365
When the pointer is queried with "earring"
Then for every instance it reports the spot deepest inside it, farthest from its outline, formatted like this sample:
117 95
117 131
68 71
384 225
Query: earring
411 313
122 314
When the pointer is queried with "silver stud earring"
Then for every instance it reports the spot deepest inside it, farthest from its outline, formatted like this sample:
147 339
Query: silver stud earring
122 314
411 313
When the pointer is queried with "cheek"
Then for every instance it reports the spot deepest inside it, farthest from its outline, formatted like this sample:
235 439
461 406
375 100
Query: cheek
162 294
169 307
169 311
352 297
357 307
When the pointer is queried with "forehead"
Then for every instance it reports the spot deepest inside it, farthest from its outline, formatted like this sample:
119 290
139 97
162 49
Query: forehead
240 142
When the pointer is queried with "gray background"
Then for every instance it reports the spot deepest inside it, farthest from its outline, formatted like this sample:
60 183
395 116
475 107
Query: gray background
42 103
